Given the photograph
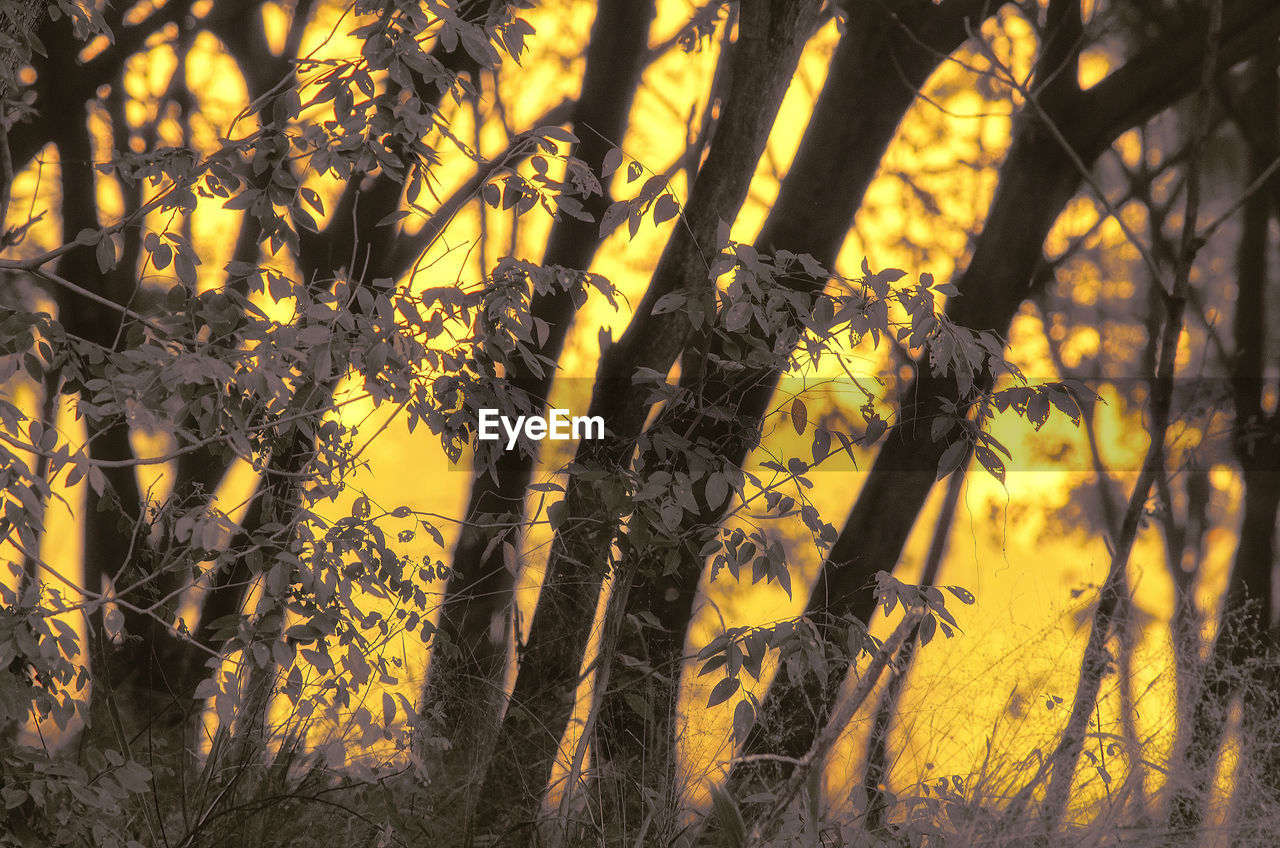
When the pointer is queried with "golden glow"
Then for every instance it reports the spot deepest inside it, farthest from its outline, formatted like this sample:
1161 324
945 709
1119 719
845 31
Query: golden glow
1031 549
276 22
1094 65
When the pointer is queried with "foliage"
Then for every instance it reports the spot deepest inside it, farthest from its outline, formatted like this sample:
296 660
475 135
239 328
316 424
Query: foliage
265 628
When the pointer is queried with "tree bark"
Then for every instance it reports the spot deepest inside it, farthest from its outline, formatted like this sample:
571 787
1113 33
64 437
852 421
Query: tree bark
875 778
111 520
876 71
1037 179
1245 612
471 654
772 34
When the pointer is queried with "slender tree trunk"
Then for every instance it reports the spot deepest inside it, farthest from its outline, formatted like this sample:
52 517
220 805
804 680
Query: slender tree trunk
808 767
875 779
1245 610
1062 762
772 34
1036 181
470 658
112 520
876 71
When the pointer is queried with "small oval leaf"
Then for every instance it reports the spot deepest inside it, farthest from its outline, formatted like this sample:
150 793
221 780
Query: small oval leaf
952 457
799 415
612 160
723 691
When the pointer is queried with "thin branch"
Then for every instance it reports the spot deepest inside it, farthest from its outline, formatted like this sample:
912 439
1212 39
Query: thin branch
94 600
51 277
410 246
1252 189
817 754
1062 763
194 446
1084 171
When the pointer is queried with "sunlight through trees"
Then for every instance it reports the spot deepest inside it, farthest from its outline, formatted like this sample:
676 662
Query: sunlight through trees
763 422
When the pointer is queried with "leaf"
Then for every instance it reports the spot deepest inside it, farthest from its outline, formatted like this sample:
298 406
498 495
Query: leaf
134 777
612 160
717 490
312 197
941 425
573 207
557 134
744 716
613 216
1038 408
783 575
360 508
715 663
162 256
990 460
671 515
952 457
186 267
821 444
737 316
97 480
105 253
669 303
799 415
208 688
812 267
665 209
875 429
723 691
928 627
1066 404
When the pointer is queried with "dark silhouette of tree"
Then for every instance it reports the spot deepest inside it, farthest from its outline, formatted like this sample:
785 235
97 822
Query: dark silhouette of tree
1237 660
344 174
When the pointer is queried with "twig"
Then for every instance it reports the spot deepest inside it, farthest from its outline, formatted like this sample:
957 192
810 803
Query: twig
1062 763
830 734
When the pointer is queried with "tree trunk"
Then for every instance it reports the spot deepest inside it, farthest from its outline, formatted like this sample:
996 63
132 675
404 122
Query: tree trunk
111 520
875 779
470 658
772 34
876 71
1037 180
1246 610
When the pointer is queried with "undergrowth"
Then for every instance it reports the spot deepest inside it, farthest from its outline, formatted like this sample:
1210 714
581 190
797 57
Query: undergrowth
271 784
